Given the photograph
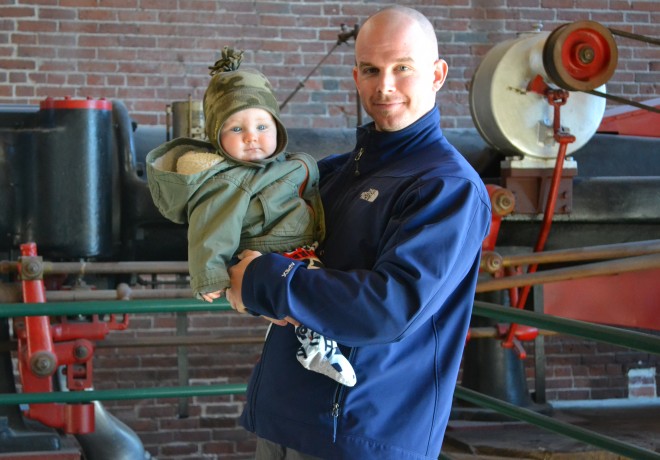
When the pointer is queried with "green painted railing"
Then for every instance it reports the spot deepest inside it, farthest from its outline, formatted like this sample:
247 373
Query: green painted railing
9 310
632 339
73 397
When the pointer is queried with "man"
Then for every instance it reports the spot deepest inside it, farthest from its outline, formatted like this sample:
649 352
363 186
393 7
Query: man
405 218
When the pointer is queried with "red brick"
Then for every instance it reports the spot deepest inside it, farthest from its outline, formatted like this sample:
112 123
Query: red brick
15 12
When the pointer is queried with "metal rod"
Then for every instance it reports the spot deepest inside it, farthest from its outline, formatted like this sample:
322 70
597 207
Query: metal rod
195 341
88 268
343 37
598 332
108 294
122 394
551 424
301 84
174 341
182 361
612 267
169 341
609 251
493 333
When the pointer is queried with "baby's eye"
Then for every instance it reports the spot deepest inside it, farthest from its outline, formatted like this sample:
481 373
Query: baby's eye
235 129
262 127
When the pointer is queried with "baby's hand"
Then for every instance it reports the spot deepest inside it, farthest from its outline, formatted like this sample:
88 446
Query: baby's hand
211 296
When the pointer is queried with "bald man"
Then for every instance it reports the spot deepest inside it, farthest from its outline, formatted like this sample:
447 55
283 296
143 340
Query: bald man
405 218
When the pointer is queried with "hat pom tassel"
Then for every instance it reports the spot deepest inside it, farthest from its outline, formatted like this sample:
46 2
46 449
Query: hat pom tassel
228 62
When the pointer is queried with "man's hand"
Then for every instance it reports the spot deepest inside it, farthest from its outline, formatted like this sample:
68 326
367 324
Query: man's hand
236 274
234 294
282 322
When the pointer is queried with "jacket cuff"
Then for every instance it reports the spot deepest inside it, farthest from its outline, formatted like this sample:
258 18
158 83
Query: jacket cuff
265 282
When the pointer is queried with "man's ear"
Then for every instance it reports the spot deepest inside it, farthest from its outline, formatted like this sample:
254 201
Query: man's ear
440 71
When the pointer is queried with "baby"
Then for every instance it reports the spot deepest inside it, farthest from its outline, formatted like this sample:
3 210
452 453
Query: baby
242 191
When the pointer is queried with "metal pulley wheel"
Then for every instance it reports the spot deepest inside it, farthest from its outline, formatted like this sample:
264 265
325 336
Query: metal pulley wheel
517 121
580 56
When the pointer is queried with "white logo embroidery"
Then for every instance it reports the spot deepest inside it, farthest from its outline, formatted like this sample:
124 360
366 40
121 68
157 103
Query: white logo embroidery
288 269
370 195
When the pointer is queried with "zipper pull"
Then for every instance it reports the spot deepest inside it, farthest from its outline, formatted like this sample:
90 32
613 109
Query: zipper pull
335 416
357 159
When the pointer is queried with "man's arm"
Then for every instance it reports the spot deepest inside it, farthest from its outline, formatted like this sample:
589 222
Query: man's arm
427 251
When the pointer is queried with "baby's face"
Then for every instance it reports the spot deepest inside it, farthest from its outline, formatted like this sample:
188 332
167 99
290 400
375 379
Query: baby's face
249 135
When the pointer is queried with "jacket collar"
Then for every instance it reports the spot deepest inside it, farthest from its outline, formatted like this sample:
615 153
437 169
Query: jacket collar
378 147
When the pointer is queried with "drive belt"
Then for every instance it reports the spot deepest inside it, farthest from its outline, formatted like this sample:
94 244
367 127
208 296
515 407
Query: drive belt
619 99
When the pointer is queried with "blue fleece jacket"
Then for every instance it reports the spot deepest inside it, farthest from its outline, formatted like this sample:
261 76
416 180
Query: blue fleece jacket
405 218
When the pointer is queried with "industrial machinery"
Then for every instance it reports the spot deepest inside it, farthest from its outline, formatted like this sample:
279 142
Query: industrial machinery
73 191
538 100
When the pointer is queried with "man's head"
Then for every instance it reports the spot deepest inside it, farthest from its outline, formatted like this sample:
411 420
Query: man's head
397 70
232 90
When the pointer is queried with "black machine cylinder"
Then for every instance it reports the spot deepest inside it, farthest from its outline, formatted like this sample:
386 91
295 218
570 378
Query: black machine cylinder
64 179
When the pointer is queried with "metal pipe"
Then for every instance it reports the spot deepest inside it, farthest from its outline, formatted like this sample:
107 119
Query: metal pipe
612 267
551 424
493 333
195 341
89 268
111 439
122 293
609 251
598 332
178 341
122 394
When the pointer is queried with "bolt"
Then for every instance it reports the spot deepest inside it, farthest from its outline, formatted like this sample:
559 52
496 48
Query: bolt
81 352
586 55
43 363
491 262
32 268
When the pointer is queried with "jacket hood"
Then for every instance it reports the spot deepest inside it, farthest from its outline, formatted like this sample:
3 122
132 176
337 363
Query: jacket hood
161 168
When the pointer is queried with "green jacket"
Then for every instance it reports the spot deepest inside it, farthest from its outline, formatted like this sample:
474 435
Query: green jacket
272 205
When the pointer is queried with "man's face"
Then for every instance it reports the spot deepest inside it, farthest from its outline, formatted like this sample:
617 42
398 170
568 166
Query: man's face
397 73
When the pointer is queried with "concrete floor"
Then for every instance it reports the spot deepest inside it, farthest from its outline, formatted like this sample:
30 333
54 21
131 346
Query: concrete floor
637 423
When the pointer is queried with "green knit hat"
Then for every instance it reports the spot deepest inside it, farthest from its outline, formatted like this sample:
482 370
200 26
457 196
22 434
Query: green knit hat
232 90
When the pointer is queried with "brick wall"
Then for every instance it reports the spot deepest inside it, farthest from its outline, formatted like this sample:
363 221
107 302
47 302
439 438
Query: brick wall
149 53
578 369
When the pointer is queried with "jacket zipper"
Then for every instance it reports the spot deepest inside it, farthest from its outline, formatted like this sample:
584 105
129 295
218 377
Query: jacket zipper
357 162
336 405
335 417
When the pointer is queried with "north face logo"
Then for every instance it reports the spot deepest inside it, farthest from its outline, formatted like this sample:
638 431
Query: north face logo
370 195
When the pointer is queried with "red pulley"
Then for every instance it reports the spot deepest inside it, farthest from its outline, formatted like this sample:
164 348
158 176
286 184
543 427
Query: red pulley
580 56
